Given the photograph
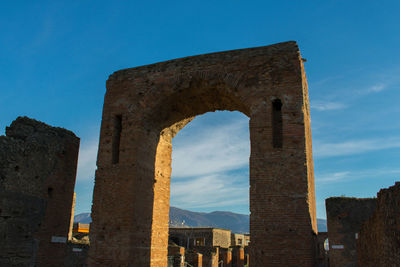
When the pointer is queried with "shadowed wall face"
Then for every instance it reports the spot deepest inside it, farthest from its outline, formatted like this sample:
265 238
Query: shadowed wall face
379 240
152 103
345 217
37 179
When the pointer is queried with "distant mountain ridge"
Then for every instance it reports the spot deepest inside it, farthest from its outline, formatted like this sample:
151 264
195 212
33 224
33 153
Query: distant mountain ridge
237 223
83 218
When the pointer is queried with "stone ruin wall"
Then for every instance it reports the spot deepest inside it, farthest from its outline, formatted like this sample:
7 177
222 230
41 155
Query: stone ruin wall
37 178
344 217
379 238
217 245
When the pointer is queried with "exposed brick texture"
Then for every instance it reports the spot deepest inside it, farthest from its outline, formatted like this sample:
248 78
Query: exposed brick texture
146 106
379 238
344 217
37 178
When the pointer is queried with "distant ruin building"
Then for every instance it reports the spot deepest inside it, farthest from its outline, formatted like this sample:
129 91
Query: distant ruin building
216 246
37 178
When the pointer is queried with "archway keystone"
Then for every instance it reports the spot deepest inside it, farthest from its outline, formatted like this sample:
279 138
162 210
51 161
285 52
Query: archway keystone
146 106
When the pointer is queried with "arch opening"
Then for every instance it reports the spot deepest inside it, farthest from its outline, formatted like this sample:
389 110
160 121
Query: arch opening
210 173
213 145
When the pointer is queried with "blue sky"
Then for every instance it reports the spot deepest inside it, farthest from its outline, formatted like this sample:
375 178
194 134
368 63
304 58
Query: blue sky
55 57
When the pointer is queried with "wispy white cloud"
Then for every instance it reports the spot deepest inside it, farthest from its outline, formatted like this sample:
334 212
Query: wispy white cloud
209 166
352 147
87 160
333 177
373 89
217 190
341 176
377 88
212 150
327 105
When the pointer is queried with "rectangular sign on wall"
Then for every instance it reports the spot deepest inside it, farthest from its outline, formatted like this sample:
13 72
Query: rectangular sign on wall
58 239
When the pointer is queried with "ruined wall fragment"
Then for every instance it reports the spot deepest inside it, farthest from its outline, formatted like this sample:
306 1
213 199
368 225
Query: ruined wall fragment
379 238
37 178
345 216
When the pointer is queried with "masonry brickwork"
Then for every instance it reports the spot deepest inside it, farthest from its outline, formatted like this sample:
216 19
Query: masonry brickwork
379 238
345 217
37 178
145 107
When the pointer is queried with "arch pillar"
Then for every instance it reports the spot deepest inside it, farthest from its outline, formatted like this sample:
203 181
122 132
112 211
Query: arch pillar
280 205
131 203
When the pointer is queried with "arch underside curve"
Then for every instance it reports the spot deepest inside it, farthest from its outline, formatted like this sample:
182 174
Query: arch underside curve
152 103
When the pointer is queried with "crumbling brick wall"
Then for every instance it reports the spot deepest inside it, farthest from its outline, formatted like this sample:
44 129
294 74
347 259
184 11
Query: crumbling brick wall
345 216
37 178
379 238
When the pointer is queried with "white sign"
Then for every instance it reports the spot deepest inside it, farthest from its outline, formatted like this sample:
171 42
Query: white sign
337 246
76 249
58 239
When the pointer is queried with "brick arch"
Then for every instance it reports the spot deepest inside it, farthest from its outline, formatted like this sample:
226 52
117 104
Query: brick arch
145 107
